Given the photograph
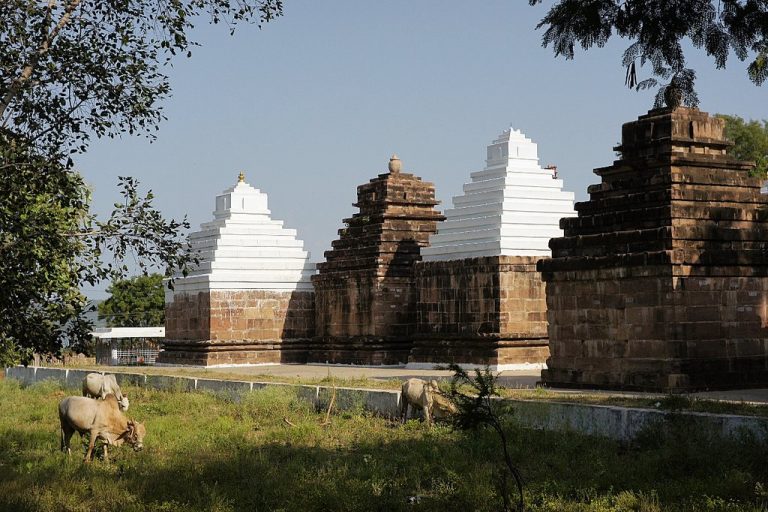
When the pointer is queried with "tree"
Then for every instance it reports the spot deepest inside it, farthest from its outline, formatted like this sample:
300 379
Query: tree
50 244
657 30
478 409
135 302
71 70
750 140
41 303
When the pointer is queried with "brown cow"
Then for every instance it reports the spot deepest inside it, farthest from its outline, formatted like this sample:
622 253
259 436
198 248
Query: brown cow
101 419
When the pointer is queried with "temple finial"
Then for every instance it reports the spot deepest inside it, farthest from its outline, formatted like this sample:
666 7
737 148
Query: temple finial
241 177
394 164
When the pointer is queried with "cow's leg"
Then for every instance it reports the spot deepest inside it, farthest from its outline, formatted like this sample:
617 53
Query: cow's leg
404 410
91 442
66 435
106 455
428 410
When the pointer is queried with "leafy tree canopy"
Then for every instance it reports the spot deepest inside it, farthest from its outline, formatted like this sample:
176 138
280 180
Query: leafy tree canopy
657 30
50 245
135 302
71 70
750 140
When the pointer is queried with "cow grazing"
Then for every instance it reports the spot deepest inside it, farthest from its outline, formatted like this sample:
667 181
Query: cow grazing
442 406
96 385
426 396
101 419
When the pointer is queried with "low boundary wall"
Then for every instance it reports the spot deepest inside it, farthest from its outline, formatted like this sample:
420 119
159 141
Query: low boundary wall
619 423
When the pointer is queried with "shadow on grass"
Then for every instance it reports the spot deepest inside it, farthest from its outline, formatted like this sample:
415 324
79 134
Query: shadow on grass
456 473
674 468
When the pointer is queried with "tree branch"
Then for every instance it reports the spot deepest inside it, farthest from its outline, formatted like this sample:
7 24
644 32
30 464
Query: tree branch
29 68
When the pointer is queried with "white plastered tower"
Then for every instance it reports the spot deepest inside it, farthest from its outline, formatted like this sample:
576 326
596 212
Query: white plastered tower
512 207
243 248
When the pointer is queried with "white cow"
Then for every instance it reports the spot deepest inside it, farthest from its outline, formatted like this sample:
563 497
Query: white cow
426 396
101 419
96 385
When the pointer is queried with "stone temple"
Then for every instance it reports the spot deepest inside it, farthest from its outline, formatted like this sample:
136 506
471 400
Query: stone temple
658 282
481 299
477 298
365 295
250 300
661 282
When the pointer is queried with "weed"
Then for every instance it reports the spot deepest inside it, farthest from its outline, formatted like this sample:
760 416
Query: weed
674 402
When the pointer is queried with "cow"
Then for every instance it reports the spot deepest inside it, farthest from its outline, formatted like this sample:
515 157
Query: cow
442 406
96 385
101 419
426 396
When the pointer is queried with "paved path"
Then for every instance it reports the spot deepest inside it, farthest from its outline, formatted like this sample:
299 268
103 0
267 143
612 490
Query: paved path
509 379
737 395
524 378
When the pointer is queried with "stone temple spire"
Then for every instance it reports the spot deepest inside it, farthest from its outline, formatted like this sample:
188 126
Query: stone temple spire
660 282
364 292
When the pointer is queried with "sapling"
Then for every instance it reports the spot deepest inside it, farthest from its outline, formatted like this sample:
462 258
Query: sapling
478 409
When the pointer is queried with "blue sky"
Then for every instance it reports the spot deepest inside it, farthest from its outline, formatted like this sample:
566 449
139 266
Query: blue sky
314 104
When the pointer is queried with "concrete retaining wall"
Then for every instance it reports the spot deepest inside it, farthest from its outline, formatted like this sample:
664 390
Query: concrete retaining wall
620 423
625 423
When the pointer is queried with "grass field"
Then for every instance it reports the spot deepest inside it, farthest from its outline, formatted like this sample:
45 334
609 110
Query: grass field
206 452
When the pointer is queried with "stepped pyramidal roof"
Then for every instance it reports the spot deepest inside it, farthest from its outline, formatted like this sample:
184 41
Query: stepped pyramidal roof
243 248
397 215
511 208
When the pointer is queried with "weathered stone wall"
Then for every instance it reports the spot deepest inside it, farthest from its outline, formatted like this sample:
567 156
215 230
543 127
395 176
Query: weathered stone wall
238 327
660 282
344 305
363 319
361 306
188 317
489 310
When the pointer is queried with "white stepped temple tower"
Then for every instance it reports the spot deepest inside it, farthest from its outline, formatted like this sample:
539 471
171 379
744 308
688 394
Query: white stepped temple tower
481 297
243 248
512 207
250 299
